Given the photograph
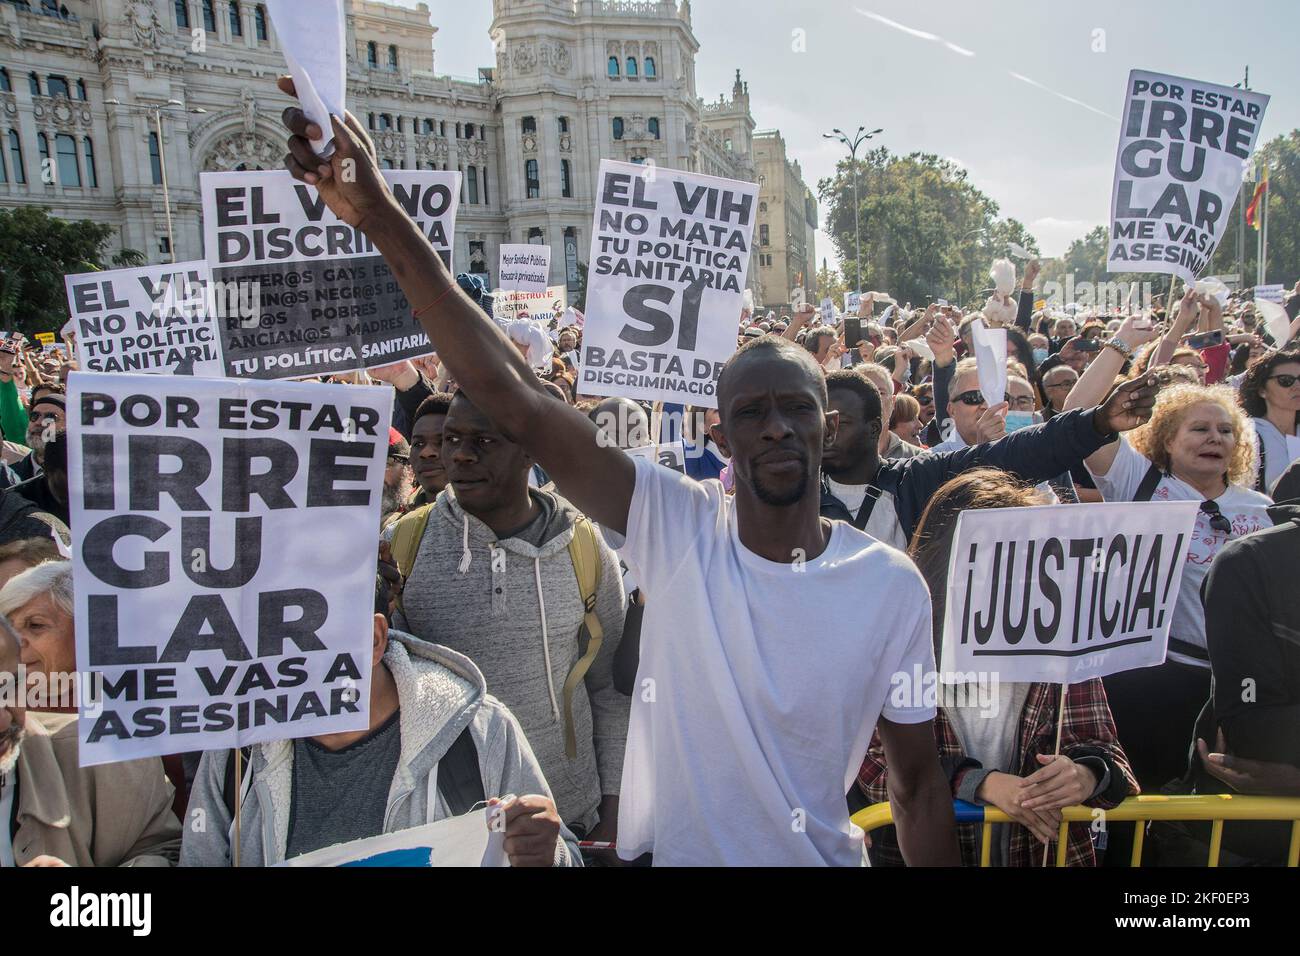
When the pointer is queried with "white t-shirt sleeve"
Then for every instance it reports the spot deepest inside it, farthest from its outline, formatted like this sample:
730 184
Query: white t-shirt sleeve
1128 469
668 514
918 652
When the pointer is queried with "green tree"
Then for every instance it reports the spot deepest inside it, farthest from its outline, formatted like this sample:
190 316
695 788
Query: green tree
1282 154
926 230
36 251
830 285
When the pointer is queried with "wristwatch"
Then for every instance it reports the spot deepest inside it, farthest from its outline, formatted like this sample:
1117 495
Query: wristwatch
1119 346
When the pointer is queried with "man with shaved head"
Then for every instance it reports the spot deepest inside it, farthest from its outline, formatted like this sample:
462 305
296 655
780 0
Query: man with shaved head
744 753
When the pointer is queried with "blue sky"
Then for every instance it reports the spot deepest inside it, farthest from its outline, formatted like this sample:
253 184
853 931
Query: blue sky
1046 160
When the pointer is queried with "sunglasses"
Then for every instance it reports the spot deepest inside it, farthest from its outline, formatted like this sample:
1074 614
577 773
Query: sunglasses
973 397
1218 521
1285 380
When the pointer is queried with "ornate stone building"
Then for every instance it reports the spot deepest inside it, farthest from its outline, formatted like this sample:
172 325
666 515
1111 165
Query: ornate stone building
103 102
784 251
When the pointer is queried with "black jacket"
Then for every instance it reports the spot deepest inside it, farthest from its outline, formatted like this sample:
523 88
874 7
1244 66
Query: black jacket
1035 454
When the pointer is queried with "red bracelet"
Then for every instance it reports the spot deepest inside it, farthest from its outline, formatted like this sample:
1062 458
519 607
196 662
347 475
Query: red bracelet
419 312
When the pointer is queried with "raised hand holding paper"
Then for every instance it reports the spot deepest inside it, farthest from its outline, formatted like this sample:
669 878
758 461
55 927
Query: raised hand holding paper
312 36
990 360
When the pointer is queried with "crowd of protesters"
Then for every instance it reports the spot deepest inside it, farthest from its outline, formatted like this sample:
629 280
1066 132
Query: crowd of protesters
613 649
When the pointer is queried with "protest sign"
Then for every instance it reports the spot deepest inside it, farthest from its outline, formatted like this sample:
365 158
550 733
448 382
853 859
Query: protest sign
465 840
670 455
1178 169
669 258
45 338
1064 594
828 312
220 593
541 306
151 319
852 300
326 301
313 37
1269 293
524 268
990 361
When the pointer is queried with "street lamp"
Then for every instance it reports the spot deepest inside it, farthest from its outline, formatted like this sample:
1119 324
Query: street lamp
852 144
156 111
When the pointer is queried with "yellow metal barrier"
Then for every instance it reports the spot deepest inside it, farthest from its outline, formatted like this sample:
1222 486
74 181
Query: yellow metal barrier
1216 808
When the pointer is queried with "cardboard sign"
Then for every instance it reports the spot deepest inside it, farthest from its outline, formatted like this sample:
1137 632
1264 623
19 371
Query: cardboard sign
221 592
540 306
326 301
1182 148
455 841
1064 593
152 319
524 268
669 260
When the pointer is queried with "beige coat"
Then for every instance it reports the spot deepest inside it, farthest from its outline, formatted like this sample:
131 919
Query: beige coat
116 814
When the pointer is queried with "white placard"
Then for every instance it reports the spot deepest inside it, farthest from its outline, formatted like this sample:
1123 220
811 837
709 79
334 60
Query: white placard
551 303
221 592
671 455
1065 593
669 259
456 841
157 319
1269 293
1182 147
524 268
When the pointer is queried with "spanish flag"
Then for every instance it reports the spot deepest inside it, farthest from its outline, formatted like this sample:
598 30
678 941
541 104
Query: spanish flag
1252 211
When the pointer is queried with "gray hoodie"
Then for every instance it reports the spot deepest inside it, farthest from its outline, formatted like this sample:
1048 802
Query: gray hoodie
439 692
516 611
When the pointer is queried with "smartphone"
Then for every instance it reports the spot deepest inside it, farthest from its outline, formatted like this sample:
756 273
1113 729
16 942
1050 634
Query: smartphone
1142 323
942 303
1087 345
1204 340
852 332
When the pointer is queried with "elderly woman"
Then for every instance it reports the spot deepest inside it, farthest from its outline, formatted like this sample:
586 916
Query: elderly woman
1270 394
17 556
58 813
38 603
1198 446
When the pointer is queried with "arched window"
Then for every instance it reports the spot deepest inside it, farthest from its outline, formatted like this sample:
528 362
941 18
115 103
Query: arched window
385 121
653 126
43 147
650 68
471 177
155 159
469 130
613 66
631 66
57 86
209 16
236 21
564 124
618 127
16 157
81 89
5 85
533 182
392 58
528 124
182 14
34 82
372 55
259 23
66 149
92 177
566 179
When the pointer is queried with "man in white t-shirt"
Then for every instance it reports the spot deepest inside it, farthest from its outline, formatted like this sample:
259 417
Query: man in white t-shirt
770 635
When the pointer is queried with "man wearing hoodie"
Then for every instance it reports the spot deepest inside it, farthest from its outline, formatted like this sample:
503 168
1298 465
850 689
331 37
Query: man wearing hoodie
426 704
493 578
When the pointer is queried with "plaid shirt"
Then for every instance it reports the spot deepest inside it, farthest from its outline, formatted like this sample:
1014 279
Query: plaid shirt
1088 730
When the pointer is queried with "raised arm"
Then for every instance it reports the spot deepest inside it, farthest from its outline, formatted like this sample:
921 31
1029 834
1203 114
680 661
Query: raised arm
1098 379
1187 312
798 321
1025 305
489 369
